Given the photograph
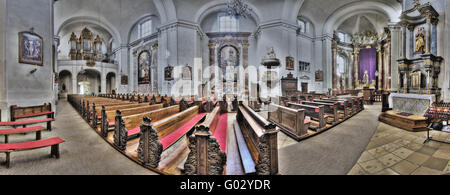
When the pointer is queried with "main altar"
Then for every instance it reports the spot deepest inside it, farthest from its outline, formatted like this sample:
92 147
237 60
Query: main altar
419 69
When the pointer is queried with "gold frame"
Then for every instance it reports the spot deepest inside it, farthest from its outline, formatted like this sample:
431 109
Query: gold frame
21 61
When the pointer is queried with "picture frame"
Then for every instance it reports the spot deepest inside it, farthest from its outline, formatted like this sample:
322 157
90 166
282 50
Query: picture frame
319 76
124 80
168 73
290 63
31 48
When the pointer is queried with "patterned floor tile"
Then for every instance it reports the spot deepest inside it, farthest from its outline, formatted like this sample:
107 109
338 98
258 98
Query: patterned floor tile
404 167
403 153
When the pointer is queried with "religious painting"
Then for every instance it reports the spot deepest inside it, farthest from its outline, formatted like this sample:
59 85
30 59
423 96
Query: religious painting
186 73
229 62
30 48
290 63
304 66
124 80
319 76
144 67
420 41
168 73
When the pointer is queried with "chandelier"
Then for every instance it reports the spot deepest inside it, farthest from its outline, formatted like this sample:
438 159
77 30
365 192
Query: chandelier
238 8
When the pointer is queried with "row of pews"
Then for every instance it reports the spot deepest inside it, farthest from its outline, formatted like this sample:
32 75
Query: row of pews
178 137
305 118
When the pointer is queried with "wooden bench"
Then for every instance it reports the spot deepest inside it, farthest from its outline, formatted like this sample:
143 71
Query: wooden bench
8 148
108 116
329 108
291 121
156 138
211 134
127 128
37 129
95 115
315 112
31 111
342 107
24 124
257 142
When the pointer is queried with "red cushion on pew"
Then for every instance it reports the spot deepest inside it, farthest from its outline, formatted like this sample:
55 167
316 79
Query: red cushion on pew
170 139
21 130
204 102
25 122
134 131
32 115
325 116
221 131
99 117
306 121
31 144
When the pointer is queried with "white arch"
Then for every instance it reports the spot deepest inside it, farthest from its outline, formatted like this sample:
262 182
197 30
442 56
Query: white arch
93 20
347 11
137 21
291 9
166 10
220 5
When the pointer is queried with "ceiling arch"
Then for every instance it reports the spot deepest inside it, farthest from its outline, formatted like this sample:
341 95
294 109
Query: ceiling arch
347 11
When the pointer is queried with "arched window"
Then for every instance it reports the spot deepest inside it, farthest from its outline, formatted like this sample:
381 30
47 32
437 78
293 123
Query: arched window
343 37
228 23
303 26
341 64
145 28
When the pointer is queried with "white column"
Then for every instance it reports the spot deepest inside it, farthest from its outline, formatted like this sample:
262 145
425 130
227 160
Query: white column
103 83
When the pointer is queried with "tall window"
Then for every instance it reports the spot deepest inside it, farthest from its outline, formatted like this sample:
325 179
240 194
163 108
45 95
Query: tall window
303 25
146 28
228 24
343 37
341 63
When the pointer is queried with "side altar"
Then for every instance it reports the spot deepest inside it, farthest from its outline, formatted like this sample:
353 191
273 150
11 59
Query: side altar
419 69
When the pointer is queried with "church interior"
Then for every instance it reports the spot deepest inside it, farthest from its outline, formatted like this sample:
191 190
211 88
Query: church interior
224 87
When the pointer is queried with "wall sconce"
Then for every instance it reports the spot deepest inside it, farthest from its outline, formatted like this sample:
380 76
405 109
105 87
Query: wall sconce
33 71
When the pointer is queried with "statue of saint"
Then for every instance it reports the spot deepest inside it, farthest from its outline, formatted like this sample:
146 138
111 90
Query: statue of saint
420 41
366 78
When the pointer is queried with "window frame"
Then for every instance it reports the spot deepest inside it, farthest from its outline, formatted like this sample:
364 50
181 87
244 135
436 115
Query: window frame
149 29
229 27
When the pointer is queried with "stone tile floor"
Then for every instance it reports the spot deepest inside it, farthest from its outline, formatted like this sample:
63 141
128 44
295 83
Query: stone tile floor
393 151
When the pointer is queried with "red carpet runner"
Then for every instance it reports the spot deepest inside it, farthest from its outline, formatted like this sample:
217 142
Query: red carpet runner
221 131
170 139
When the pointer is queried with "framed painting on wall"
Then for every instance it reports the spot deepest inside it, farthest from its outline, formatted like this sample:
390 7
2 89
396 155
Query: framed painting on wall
144 67
30 48
290 63
124 80
319 76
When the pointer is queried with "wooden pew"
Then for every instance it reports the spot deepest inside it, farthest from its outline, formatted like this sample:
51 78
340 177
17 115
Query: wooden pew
291 121
342 106
31 111
315 112
108 115
96 114
257 142
128 127
330 109
214 126
157 137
